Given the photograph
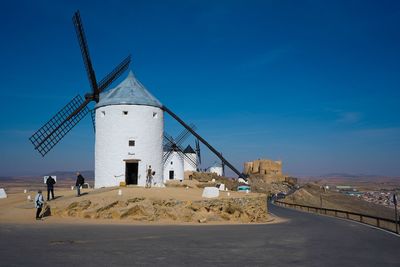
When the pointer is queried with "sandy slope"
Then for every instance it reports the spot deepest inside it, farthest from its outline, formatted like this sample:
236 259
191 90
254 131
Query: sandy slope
17 209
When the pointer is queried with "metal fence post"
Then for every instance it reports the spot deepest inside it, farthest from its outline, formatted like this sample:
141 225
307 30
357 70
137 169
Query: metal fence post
396 219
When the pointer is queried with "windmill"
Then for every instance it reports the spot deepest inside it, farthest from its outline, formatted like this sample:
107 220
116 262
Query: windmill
69 116
129 126
202 140
176 160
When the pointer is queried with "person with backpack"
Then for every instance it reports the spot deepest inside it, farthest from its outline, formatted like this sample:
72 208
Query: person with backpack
79 182
50 187
39 201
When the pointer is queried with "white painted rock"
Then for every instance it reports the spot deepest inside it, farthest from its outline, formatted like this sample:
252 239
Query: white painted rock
222 187
3 193
210 192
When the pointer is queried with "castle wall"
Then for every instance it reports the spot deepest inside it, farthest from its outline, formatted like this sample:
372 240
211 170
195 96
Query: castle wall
269 170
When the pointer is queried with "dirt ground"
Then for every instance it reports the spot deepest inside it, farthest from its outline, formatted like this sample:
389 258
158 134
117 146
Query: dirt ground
17 209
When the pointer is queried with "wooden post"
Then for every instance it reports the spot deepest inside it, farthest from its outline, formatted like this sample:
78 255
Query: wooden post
320 199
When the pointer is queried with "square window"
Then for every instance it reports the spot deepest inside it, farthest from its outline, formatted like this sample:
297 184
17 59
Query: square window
125 112
131 142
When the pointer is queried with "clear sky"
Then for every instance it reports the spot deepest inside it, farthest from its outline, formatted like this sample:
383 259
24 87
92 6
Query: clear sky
312 83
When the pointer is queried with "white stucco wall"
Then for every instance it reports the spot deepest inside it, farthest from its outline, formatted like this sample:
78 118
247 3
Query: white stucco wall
176 166
216 169
188 165
145 125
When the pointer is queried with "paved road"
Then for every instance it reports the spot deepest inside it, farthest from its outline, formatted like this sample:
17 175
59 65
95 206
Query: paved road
305 240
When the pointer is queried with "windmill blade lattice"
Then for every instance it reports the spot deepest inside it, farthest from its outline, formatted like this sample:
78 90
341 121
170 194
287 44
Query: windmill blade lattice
169 142
53 131
57 127
184 135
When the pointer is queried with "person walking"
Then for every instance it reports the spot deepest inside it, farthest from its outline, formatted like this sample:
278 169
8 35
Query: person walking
50 187
149 177
79 182
39 201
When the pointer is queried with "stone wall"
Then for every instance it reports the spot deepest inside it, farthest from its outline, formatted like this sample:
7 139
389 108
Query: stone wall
268 170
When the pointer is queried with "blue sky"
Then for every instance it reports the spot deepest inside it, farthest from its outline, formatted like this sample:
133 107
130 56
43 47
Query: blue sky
312 83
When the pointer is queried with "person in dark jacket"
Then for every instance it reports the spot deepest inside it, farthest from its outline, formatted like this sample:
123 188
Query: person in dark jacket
50 187
79 182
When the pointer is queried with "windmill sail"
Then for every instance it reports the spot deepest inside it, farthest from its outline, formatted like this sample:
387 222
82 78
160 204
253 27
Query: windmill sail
57 127
54 130
198 151
80 33
201 139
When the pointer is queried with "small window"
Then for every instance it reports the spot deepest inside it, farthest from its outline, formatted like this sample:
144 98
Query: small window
125 112
103 113
131 142
155 115
172 162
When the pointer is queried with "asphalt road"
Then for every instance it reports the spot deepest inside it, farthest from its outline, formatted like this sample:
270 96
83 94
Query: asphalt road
305 240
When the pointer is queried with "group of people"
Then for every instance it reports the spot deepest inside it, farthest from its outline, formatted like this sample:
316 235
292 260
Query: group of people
50 182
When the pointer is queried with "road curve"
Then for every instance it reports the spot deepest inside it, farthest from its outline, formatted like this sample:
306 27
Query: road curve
304 240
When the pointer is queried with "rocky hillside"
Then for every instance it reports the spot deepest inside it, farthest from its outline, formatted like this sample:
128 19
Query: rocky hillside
311 194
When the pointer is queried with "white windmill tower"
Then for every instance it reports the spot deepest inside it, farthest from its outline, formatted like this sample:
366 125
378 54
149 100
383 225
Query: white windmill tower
191 157
129 135
129 126
173 166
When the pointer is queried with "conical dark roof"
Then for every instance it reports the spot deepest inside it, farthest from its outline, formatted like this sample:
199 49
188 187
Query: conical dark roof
189 150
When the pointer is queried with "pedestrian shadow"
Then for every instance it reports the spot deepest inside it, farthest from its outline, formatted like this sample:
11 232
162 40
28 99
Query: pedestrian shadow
46 211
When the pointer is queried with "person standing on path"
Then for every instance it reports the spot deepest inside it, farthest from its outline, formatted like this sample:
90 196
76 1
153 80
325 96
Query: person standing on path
50 187
149 177
79 182
39 201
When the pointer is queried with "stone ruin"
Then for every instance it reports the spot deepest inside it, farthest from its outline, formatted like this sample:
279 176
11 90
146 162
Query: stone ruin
268 170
